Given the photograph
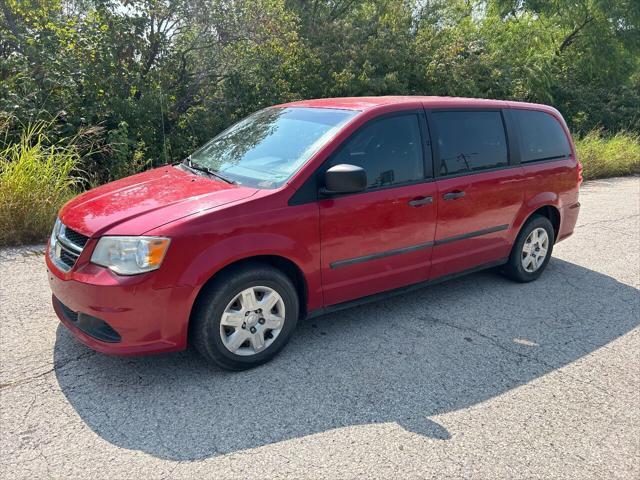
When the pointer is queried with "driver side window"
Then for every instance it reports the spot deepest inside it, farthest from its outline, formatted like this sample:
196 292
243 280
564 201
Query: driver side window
389 150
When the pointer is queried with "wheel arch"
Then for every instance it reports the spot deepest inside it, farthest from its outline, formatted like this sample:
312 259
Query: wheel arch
279 262
552 213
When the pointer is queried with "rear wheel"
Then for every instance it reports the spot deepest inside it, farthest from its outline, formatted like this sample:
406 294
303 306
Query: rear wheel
245 317
532 250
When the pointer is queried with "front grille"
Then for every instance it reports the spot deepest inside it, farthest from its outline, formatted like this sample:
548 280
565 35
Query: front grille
68 257
67 247
75 237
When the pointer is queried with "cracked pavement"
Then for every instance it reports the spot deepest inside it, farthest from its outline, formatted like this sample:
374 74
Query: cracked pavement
474 378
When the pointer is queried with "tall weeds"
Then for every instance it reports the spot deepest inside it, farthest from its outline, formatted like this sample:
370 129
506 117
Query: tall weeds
36 178
609 156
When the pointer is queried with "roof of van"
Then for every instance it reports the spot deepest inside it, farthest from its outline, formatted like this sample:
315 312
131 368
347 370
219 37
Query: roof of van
367 103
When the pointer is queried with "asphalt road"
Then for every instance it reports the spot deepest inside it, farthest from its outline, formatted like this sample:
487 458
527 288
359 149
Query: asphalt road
475 378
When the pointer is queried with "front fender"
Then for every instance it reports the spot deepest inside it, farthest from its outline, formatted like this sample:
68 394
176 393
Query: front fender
201 247
233 249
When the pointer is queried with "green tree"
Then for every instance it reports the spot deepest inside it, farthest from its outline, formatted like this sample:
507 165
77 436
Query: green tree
147 81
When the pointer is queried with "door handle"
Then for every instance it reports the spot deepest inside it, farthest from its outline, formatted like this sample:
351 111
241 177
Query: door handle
418 202
453 195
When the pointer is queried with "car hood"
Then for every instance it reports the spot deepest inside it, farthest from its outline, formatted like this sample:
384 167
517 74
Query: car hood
137 204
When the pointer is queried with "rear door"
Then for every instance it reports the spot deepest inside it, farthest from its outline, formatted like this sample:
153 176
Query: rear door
479 190
381 238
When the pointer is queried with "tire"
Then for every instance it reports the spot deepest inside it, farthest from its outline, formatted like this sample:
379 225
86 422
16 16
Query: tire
515 268
215 338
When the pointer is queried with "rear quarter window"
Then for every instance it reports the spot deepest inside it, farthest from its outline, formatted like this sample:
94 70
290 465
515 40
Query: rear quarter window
541 136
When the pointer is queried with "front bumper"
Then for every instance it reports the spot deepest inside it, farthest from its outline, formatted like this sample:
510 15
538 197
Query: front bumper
141 316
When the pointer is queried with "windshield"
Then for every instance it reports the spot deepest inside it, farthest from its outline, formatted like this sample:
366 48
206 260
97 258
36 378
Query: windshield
266 148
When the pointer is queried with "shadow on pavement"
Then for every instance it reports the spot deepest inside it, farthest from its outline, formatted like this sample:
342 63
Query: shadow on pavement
402 360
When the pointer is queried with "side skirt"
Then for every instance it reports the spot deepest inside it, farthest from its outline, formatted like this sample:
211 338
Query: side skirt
399 291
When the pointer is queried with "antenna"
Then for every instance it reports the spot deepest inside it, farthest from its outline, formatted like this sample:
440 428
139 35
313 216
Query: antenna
164 138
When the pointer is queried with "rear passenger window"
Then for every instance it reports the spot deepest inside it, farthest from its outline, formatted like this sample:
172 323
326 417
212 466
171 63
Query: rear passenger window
542 137
389 150
470 141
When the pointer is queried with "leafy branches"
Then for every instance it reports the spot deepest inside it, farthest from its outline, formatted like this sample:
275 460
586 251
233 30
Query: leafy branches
109 63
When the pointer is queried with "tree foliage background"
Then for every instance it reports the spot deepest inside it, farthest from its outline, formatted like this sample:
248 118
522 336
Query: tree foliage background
145 81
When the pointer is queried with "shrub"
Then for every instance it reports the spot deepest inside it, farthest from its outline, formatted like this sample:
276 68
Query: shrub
613 156
36 179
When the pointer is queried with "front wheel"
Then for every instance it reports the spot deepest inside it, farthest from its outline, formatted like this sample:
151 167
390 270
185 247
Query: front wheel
245 317
532 250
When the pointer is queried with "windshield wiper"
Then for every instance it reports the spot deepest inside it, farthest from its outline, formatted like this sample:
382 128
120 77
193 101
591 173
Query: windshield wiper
209 171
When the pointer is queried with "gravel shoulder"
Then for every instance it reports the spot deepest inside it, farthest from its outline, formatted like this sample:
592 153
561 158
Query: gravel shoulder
474 378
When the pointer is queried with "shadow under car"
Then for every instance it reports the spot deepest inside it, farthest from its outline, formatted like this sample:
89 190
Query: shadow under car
401 360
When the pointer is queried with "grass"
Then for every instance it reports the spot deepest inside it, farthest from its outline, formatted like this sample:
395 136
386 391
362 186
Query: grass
612 156
36 179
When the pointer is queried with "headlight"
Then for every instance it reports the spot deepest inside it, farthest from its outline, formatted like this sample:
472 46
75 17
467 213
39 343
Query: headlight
130 255
54 235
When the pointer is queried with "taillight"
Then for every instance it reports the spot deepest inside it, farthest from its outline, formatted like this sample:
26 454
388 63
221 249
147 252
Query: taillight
580 168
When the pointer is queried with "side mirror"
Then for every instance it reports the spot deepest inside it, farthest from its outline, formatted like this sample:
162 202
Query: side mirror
344 178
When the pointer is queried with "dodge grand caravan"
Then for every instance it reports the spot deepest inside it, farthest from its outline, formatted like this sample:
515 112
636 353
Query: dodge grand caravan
308 207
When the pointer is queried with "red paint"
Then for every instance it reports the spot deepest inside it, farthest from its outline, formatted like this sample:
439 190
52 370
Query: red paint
491 199
359 225
164 192
213 224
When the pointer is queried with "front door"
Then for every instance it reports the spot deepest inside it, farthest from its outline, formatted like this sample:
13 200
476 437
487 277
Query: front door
381 238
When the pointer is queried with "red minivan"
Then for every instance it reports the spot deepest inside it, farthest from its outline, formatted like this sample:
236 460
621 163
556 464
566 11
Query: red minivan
308 207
